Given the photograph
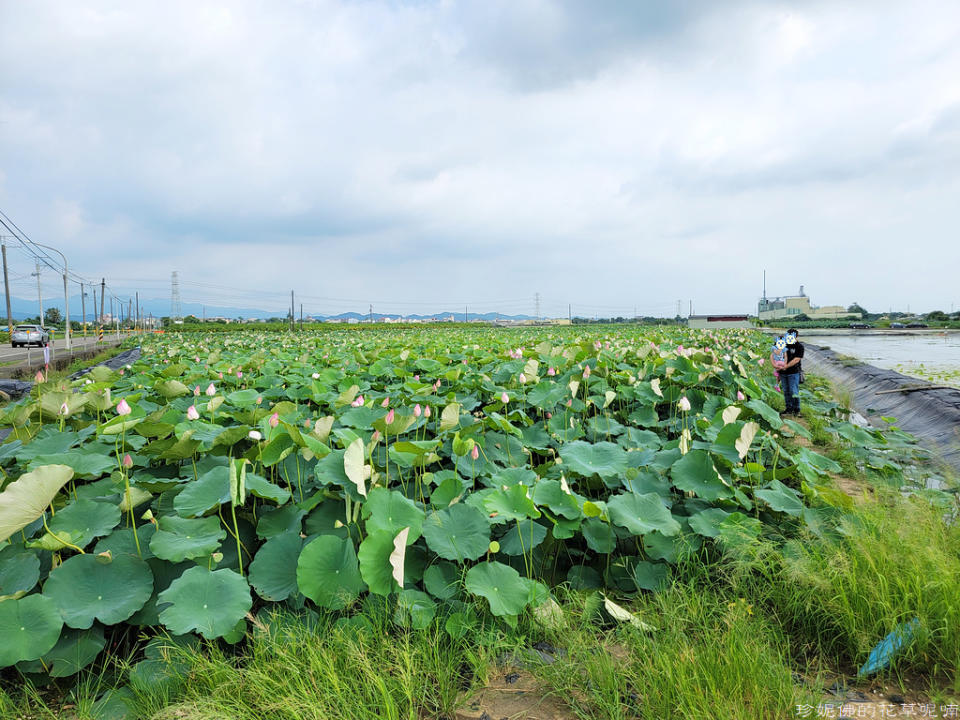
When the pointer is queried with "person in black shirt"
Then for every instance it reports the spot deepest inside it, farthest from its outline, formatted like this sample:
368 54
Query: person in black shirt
790 374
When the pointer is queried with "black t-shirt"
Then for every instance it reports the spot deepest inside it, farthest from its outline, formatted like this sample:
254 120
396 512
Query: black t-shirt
793 351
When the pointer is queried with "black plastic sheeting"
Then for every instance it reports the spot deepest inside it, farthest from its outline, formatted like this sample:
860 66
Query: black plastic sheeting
932 416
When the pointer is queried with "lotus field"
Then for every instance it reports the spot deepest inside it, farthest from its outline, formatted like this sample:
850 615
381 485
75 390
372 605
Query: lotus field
442 474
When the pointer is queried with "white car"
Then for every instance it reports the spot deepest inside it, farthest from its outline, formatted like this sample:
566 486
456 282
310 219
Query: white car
29 335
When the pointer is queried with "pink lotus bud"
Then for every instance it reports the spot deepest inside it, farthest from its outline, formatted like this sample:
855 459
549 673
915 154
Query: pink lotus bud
549 415
523 379
259 399
376 436
684 404
196 358
274 420
38 378
504 398
354 403
255 435
196 391
192 413
220 375
464 361
551 372
760 361
389 418
121 371
416 410
211 390
230 369
740 396
586 372
416 377
123 407
385 403
570 402
127 461
426 411
239 374
64 410
359 400
436 385
475 453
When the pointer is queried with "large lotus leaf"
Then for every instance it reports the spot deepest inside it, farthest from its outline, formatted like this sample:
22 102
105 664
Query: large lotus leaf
287 518
501 585
243 398
511 504
19 570
273 572
599 535
766 412
390 511
738 531
51 402
522 537
179 538
695 472
375 567
442 580
822 465
641 514
86 588
49 441
85 520
550 493
29 627
85 463
263 488
603 458
171 388
459 532
780 498
207 492
650 576
205 601
26 498
74 651
415 609
328 573
707 522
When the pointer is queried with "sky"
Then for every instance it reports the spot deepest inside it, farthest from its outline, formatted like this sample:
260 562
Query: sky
614 157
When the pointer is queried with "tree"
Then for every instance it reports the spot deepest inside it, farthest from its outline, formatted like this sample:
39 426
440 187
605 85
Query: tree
52 316
857 308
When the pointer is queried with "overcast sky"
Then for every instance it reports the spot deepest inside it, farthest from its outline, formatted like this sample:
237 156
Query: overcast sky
422 155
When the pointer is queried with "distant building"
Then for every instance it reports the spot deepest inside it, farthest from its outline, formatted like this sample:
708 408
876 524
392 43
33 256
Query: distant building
703 322
790 305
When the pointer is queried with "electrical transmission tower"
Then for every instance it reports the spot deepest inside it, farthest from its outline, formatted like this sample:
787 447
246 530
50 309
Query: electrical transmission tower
536 299
176 312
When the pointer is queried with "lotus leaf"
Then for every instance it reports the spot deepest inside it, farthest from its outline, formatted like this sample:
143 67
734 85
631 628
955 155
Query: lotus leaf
26 498
442 580
511 504
29 627
273 572
74 651
696 473
501 585
415 609
205 601
389 511
522 537
603 458
328 572
85 520
459 532
19 570
650 576
375 567
780 498
178 539
641 514
85 588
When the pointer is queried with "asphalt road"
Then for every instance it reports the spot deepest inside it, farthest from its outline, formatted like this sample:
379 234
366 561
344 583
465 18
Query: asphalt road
9 354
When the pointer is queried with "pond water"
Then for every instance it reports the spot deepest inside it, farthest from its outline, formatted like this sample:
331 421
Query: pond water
931 356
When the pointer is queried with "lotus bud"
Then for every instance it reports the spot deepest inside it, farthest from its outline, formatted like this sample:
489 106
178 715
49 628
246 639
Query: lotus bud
217 557
504 398
239 374
549 415
570 402
196 391
760 361
306 424
38 378
416 410
259 399
551 372
255 435
354 403
385 403
196 358
376 436
586 372
464 361
523 379
192 413
436 385
274 420
390 417
360 401
123 407
316 376
416 377
426 411
127 461
684 404
740 396
475 453
120 371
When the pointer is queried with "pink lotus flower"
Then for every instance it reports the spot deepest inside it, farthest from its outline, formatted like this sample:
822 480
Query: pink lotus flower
64 410
570 402
740 396
127 461
416 377
551 372
475 453
121 371
436 385
211 390
426 411
376 436
385 403
239 374
255 435
390 417
220 375
196 358
523 379
586 372
464 361
306 424
354 403
504 398
196 391
417 411
684 404
192 413
123 407
38 378
274 420
760 361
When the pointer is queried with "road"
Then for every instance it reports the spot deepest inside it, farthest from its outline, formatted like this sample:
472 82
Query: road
10 355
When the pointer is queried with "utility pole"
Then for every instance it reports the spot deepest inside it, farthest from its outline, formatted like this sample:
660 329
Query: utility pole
292 316
94 301
466 315
371 313
83 309
691 309
569 312
137 297
129 310
39 296
301 317
536 300
103 294
678 308
6 283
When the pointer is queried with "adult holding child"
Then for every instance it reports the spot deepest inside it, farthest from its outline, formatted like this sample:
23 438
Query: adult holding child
791 372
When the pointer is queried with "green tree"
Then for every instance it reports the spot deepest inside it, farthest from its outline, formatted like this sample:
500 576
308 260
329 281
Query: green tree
858 308
52 316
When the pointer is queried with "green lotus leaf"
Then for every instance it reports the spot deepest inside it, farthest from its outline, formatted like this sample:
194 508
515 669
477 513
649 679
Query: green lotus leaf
266 490
207 492
442 580
459 532
766 412
134 497
48 441
19 570
522 538
651 576
51 402
641 514
780 498
374 557
171 389
85 520
696 473
243 398
86 589
179 539
450 417
511 504
822 465
85 463
74 651
288 518
26 498
273 572
501 585
415 609
328 573
707 522
550 494
29 626
599 535
204 601
738 531
603 458
122 542
390 511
